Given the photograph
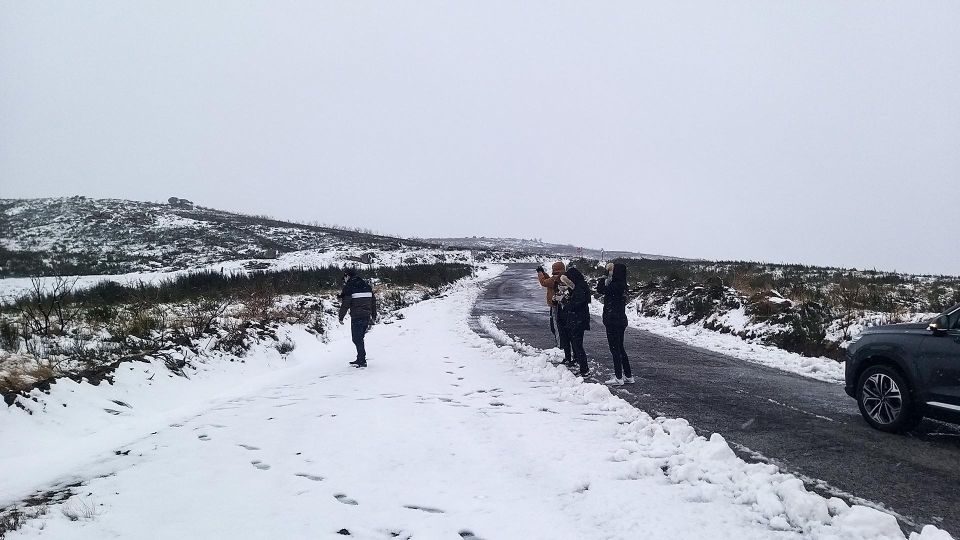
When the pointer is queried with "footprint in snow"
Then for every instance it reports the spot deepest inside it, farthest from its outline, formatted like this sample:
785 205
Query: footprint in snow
203 437
345 500
424 509
468 535
312 477
260 465
248 447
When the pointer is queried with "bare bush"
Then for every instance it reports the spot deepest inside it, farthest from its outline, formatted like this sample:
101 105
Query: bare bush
258 303
200 315
48 310
848 295
9 336
286 346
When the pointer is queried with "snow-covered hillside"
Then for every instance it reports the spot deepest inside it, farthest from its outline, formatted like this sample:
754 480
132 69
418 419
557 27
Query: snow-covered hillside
80 235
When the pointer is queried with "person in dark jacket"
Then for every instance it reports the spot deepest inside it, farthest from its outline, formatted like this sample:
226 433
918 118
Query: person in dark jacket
357 298
576 302
613 288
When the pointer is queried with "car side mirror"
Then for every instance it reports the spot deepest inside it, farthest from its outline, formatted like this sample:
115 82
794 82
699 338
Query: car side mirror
939 326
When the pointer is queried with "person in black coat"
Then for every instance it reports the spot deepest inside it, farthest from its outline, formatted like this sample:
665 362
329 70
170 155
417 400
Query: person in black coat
613 288
576 303
358 300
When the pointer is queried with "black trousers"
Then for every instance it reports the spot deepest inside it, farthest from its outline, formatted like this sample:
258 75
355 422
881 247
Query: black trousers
358 329
621 364
580 355
559 329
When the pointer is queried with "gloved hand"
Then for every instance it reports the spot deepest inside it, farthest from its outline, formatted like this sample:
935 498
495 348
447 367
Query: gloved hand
341 320
540 269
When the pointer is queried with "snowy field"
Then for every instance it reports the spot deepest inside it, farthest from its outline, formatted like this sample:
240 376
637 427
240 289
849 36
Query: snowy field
445 435
12 288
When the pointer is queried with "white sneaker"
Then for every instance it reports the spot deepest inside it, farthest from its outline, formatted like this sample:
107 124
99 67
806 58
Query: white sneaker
615 382
630 380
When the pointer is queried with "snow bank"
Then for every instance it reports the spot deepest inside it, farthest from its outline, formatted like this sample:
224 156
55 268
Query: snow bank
820 368
669 450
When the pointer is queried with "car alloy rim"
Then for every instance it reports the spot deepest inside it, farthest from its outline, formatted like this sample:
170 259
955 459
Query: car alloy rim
881 398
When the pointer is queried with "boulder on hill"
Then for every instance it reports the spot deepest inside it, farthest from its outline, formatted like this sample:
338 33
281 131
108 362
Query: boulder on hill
180 203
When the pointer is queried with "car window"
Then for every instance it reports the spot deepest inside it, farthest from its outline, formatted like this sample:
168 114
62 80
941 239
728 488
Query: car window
954 320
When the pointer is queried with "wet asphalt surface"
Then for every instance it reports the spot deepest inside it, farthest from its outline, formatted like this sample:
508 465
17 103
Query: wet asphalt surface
804 426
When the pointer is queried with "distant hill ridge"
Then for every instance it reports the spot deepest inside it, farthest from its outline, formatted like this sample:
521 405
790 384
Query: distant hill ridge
81 235
542 248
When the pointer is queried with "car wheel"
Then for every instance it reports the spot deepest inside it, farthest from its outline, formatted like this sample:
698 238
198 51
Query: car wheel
886 401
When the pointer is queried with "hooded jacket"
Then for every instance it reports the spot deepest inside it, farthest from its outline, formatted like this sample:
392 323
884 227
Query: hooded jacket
552 282
577 303
614 292
357 297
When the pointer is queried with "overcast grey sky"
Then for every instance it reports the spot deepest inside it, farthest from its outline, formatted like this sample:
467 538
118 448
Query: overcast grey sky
824 132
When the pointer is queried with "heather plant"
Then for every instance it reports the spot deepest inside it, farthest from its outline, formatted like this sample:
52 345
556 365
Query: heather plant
805 309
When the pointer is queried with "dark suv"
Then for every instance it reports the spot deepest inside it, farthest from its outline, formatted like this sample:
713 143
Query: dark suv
900 373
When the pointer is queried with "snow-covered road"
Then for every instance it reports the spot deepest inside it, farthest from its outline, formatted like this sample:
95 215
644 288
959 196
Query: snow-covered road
445 435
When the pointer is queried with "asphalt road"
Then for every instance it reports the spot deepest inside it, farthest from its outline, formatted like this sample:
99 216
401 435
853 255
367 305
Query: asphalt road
807 427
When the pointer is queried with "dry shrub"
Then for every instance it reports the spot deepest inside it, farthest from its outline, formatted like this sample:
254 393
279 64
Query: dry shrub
9 336
141 324
748 284
259 303
25 375
13 382
201 314
42 372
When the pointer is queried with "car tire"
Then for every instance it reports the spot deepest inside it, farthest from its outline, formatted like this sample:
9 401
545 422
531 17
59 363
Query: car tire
886 400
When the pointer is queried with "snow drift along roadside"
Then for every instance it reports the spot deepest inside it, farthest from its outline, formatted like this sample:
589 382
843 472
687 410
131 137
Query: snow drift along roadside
669 450
820 368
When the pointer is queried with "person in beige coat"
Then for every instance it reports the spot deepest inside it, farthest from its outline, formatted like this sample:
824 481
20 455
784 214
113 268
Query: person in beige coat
554 292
